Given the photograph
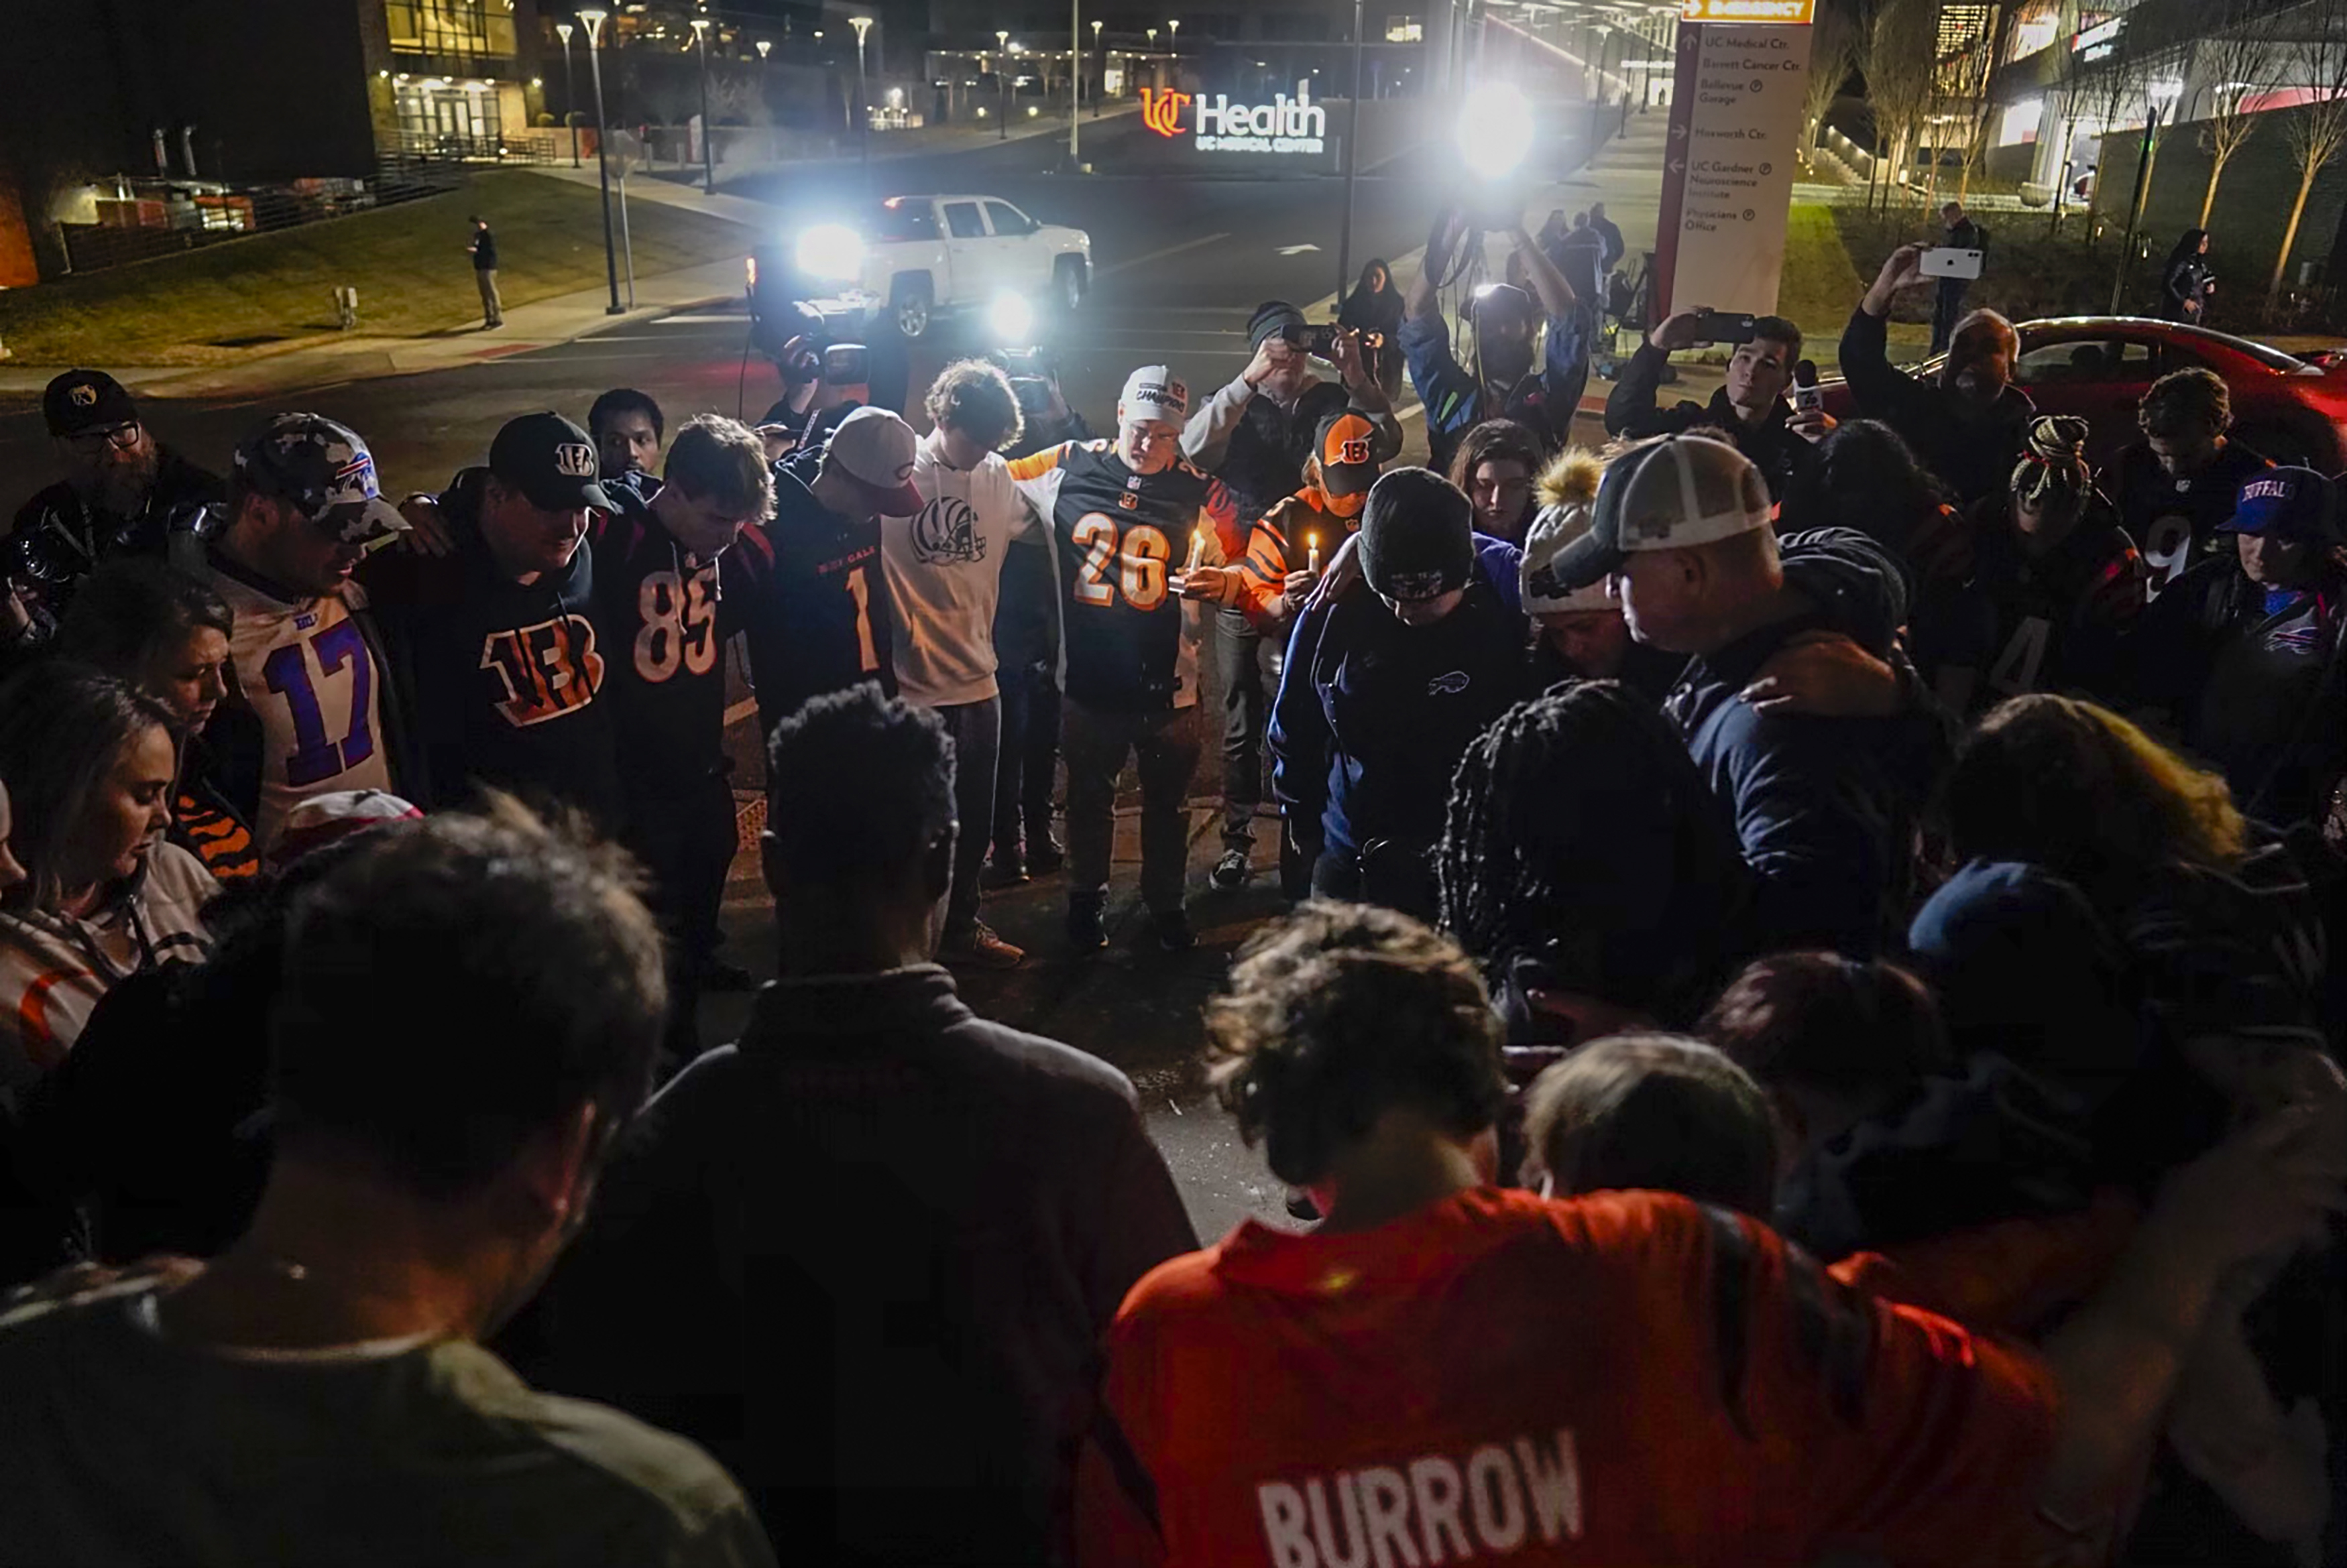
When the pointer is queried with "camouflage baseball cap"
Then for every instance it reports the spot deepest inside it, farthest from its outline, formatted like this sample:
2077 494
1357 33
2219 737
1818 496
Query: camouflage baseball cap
325 471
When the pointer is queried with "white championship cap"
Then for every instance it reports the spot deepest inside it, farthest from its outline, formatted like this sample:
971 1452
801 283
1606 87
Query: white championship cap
1153 391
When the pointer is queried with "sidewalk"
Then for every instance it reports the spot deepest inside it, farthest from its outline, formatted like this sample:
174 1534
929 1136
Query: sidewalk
544 324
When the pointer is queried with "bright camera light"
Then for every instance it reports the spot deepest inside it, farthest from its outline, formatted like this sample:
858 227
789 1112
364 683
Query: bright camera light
1011 319
1495 129
832 251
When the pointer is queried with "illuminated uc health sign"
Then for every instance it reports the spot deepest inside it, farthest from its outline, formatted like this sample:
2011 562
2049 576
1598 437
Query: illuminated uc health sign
1296 125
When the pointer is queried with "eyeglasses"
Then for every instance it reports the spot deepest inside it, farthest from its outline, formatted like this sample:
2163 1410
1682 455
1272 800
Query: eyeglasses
121 436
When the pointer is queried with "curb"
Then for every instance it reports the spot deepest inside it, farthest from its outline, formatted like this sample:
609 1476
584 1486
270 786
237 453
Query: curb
373 359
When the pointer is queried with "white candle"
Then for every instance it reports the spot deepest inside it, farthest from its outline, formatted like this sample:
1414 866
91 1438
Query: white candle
1312 545
1197 549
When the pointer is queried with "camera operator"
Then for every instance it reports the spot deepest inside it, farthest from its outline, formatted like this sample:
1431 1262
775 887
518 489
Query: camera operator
816 393
1256 435
1505 382
1750 406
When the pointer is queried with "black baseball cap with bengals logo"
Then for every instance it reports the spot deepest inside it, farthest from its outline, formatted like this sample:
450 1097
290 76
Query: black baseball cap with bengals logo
1347 448
550 459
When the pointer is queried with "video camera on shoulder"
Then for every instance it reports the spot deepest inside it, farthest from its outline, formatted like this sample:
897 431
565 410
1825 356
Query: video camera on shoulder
1032 371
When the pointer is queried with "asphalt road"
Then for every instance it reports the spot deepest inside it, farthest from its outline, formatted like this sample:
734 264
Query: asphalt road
1179 265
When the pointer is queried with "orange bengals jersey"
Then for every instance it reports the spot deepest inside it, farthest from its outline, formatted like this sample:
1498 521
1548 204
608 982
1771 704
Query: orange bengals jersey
1626 1380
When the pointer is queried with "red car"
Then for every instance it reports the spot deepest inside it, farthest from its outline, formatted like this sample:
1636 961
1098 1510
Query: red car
2099 367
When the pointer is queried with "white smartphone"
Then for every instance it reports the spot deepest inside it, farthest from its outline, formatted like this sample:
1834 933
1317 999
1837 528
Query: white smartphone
1948 261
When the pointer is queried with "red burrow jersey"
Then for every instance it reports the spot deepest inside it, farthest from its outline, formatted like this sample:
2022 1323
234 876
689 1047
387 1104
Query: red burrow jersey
1628 1380
1130 641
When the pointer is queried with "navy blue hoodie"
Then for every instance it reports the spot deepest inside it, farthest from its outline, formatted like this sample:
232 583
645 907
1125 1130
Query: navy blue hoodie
1372 716
1824 808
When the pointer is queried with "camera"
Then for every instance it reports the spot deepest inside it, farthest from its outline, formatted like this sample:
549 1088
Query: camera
846 365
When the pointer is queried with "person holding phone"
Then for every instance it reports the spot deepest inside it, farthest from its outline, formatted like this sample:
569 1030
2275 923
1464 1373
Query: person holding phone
1750 406
1256 435
1948 300
1968 421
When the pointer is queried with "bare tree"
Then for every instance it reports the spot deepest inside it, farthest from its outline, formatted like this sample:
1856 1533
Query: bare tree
1900 45
1979 110
2107 94
1833 50
2239 59
2316 129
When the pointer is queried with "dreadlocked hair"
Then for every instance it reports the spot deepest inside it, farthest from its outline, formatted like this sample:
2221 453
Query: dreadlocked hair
1566 806
1339 1014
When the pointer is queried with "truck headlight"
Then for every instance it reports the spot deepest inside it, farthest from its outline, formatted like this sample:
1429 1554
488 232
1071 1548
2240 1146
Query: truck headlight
832 252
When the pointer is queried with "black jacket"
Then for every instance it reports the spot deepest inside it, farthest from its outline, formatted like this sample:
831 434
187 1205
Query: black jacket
1972 450
1631 411
58 539
865 1256
504 681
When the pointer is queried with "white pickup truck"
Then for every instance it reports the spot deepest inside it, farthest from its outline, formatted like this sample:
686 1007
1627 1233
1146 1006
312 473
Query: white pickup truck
912 256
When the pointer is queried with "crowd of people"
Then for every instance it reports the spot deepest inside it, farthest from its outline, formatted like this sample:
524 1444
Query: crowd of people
1806 1033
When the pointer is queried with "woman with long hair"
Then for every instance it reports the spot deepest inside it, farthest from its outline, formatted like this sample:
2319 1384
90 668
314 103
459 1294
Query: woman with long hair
1374 307
2186 281
168 635
1495 465
88 762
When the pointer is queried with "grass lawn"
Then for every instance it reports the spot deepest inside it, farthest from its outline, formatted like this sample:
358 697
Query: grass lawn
225 303
1822 284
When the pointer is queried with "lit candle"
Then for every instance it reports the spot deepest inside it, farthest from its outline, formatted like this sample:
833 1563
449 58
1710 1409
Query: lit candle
1197 549
1312 545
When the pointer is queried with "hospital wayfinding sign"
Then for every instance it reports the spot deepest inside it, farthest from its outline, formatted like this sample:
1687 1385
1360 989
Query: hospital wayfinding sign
1733 140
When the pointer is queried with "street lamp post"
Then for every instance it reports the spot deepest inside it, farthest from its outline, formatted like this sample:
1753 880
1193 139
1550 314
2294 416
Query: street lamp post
1075 76
1352 163
563 30
2158 96
595 20
1173 37
1100 63
708 147
862 24
1002 76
